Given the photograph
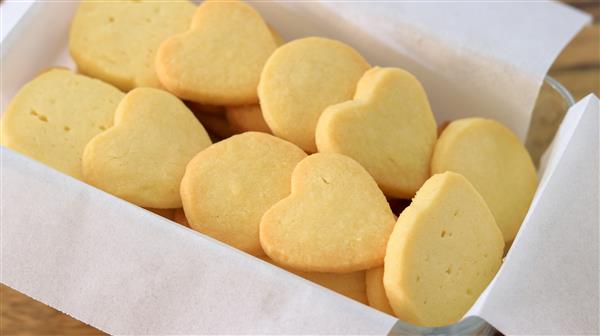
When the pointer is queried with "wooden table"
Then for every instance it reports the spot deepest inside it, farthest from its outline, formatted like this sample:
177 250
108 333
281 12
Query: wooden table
577 68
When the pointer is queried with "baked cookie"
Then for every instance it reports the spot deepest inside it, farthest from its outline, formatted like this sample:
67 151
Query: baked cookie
388 128
301 79
246 118
179 217
335 220
53 117
444 251
351 285
219 59
217 125
228 186
166 213
198 108
143 157
116 41
493 159
376 292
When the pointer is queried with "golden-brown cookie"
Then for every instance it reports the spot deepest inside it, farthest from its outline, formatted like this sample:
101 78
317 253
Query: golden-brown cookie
142 158
444 251
53 117
246 118
218 61
228 186
335 220
376 292
493 159
179 217
388 128
301 79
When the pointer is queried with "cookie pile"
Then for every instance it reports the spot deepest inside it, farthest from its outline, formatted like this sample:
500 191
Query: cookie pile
307 147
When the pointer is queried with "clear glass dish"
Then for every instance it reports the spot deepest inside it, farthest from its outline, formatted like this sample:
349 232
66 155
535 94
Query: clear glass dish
550 108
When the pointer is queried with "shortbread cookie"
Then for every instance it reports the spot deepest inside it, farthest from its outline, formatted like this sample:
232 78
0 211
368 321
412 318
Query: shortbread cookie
53 117
217 125
246 118
376 292
179 217
351 285
228 186
218 61
301 79
335 220
166 213
198 108
117 41
142 158
444 251
493 159
388 128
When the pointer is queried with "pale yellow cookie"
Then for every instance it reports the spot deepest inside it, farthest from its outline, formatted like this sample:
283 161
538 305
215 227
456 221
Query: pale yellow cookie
219 59
444 251
388 128
142 158
301 79
493 159
335 220
351 285
53 117
179 217
246 118
117 41
376 292
228 186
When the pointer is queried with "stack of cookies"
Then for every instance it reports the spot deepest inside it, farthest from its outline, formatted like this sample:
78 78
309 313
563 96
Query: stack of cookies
291 152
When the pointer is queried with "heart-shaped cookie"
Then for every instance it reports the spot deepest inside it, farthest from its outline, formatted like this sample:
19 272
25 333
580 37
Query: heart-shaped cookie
117 41
301 79
219 60
228 186
335 220
142 158
444 251
493 159
53 117
388 128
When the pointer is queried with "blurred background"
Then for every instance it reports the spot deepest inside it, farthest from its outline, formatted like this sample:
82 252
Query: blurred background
577 68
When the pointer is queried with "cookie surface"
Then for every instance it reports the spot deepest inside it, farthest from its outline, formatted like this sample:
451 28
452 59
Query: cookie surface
166 213
247 118
493 159
179 217
335 219
228 186
301 79
218 61
351 285
376 292
444 251
388 128
53 117
142 158
117 41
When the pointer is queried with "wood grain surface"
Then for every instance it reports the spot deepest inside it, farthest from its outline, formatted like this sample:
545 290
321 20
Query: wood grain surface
577 68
